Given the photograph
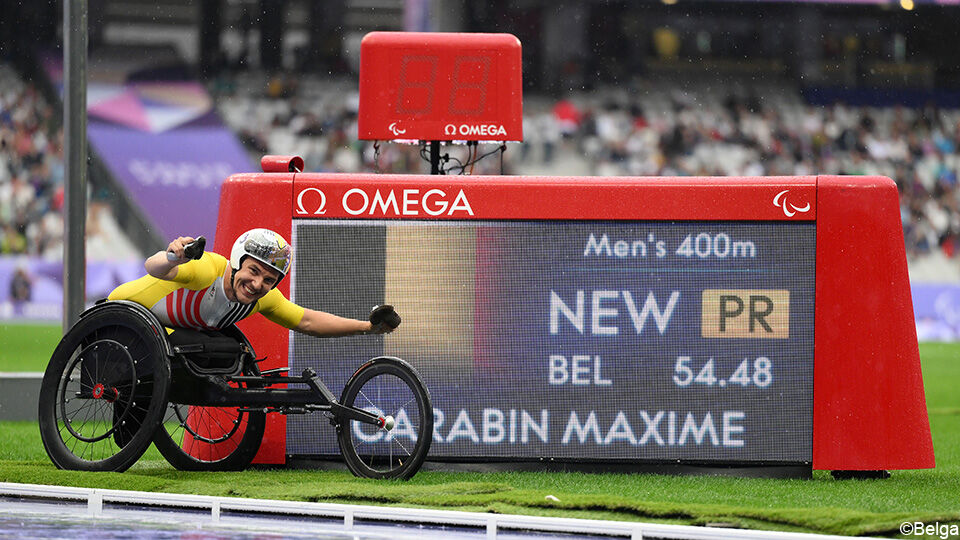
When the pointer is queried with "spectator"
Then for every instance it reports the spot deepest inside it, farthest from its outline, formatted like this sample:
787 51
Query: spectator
20 286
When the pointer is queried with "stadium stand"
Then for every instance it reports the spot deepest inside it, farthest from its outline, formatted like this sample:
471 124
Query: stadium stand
645 109
32 181
667 128
752 99
670 127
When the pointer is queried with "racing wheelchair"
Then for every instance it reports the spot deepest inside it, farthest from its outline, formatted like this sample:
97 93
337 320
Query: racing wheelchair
117 382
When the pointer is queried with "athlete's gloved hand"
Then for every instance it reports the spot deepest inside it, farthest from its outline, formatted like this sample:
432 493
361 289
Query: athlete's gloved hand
186 248
384 319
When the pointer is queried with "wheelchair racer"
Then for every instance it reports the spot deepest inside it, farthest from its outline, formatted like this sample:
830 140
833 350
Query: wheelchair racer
212 292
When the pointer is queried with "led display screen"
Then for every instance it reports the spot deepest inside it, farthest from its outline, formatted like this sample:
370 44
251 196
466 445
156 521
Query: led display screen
649 341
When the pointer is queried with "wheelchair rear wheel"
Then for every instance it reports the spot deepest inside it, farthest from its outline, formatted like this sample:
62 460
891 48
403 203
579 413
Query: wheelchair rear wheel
103 392
386 386
198 438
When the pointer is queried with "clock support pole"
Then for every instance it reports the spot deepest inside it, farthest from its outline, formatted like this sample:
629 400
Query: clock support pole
434 157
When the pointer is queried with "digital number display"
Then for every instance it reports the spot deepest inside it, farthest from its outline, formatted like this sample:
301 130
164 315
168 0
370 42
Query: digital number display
650 341
417 84
437 86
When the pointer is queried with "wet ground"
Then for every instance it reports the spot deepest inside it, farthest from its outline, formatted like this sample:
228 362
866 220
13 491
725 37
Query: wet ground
28 518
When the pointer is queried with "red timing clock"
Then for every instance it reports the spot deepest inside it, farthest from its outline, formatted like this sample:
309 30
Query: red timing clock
435 86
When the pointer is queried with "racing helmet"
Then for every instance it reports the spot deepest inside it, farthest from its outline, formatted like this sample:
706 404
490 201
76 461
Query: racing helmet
265 246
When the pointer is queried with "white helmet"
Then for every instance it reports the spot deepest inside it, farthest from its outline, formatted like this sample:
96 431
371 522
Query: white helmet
265 246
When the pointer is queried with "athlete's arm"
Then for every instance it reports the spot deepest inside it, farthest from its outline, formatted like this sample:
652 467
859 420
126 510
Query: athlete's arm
322 324
275 307
158 266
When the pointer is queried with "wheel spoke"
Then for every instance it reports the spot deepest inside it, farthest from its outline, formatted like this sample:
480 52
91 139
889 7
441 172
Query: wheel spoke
365 398
400 444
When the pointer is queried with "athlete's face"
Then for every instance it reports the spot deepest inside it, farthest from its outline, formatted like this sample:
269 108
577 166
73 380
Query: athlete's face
253 281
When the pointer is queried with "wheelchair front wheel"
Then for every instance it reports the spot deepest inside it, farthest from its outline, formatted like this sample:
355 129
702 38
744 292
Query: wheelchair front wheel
198 438
386 386
103 392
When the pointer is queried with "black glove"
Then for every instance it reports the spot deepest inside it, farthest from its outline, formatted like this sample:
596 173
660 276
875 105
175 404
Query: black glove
384 314
194 250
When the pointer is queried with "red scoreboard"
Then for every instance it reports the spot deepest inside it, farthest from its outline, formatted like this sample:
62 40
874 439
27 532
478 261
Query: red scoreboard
702 321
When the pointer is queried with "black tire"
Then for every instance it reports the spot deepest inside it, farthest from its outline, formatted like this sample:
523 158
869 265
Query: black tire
386 386
198 438
103 392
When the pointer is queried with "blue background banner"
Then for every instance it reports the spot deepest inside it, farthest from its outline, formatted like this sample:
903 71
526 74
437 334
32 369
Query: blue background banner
158 133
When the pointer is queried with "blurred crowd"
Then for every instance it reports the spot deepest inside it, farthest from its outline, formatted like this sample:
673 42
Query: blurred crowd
31 170
669 130
32 181
748 136
666 131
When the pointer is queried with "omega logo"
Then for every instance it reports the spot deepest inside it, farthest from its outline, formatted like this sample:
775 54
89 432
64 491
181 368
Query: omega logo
401 202
465 130
405 202
321 208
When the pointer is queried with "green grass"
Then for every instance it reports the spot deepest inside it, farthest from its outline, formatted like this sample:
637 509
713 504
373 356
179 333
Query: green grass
820 504
26 346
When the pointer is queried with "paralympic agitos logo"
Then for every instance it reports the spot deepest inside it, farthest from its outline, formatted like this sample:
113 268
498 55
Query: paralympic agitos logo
789 210
411 202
